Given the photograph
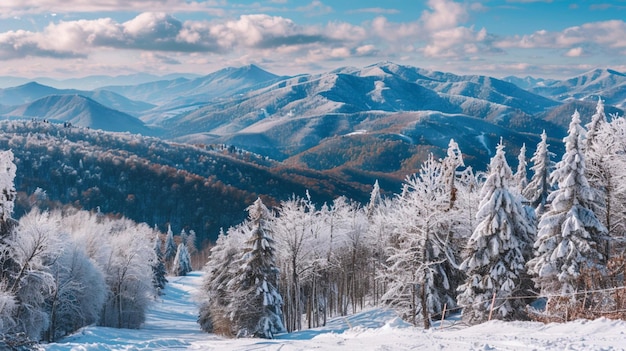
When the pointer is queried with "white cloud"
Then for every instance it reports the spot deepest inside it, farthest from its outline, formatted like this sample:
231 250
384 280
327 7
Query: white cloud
162 32
575 52
11 8
609 34
443 14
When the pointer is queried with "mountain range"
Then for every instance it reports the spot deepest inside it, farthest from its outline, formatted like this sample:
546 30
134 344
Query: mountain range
197 150
385 118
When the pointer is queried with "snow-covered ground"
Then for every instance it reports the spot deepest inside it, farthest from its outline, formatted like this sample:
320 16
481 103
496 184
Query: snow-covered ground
171 325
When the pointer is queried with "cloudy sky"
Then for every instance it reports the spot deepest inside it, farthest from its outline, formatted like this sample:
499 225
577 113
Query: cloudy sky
542 38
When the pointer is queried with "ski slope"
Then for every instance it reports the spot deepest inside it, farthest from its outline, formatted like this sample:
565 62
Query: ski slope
171 325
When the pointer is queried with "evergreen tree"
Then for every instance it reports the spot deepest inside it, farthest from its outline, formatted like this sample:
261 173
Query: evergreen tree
495 264
170 245
453 160
374 200
603 169
538 189
598 120
569 233
158 266
520 177
256 301
182 261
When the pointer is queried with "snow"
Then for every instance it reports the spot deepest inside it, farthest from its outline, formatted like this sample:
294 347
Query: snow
171 325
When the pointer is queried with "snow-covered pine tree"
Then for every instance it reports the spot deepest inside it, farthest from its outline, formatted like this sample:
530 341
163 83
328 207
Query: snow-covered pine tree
182 261
452 161
170 246
538 189
520 179
569 234
598 120
495 264
374 200
158 266
421 259
256 301
602 169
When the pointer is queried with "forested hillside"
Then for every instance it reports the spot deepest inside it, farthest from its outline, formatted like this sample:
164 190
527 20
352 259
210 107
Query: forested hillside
203 188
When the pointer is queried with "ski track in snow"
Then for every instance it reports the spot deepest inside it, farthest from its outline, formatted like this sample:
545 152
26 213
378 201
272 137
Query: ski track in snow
171 325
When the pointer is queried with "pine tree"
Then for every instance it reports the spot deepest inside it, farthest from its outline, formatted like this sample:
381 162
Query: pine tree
170 245
538 189
451 163
602 169
569 233
158 266
598 120
520 178
374 200
182 261
495 264
256 303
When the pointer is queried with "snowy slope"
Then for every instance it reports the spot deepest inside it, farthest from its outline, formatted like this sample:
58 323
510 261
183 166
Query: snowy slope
171 326
607 83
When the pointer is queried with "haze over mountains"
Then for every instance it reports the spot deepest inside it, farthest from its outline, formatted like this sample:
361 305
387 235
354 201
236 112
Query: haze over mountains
377 112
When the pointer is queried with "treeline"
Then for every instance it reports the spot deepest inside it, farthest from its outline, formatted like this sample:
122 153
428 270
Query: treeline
488 243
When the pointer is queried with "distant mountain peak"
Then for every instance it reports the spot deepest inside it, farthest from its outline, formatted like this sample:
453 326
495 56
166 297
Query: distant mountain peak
610 71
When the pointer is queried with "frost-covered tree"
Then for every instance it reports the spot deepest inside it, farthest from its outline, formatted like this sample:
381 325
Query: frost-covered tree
421 260
520 180
294 235
182 261
215 294
191 242
32 245
539 187
594 127
604 163
451 163
7 192
128 274
8 266
495 264
256 302
569 234
158 266
170 245
79 293
374 200
614 136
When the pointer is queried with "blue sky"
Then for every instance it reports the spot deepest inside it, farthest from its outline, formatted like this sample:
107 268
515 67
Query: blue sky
542 38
